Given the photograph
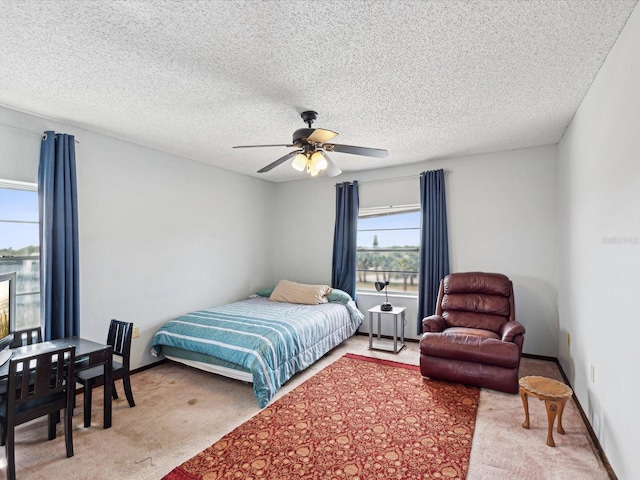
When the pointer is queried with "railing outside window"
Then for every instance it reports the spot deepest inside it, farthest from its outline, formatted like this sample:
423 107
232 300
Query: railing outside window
27 288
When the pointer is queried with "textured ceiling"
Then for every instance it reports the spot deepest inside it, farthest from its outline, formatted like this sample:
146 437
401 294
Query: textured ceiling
424 80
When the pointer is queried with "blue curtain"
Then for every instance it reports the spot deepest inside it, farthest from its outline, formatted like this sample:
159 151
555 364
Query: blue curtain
434 251
59 275
343 274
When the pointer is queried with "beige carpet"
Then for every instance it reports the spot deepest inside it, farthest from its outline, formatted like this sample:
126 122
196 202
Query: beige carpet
181 411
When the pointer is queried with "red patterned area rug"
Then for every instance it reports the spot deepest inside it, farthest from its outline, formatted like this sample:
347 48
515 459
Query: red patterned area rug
359 418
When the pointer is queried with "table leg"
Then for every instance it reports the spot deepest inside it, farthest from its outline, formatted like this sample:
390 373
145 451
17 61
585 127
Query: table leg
370 330
395 334
379 319
525 404
402 319
108 388
552 411
560 410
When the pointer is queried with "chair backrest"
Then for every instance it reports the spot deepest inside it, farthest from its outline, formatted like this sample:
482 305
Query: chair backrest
28 336
119 337
39 384
476 300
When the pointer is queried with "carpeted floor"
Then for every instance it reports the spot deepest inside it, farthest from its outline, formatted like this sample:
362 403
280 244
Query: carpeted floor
181 411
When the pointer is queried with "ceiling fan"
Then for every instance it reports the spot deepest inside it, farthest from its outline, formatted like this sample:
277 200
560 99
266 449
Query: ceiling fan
311 145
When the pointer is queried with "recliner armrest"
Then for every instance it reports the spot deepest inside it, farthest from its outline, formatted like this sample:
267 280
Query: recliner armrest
433 323
510 330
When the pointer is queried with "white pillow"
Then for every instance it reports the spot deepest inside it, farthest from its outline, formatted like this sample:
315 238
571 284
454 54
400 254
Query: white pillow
292 292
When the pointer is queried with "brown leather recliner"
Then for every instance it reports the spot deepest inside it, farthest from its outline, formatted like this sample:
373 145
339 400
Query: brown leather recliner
473 337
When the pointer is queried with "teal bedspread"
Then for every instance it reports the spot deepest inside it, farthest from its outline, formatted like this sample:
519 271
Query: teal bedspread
272 340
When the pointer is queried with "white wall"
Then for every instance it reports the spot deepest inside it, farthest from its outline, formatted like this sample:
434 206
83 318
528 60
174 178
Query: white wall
599 251
159 235
502 218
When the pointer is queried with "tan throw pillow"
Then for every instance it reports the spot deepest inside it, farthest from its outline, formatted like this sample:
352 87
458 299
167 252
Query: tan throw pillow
292 292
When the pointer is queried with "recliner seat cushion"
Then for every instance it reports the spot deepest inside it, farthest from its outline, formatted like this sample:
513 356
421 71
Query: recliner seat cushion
470 348
473 331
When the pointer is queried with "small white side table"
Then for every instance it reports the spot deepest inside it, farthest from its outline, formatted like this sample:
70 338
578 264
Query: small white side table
383 344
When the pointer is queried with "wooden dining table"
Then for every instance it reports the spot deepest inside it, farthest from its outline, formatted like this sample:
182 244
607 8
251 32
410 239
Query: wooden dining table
88 354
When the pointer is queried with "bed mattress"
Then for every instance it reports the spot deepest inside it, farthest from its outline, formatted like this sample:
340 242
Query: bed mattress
270 340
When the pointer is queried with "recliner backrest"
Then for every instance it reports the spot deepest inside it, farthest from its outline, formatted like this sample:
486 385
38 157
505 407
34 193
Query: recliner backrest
476 300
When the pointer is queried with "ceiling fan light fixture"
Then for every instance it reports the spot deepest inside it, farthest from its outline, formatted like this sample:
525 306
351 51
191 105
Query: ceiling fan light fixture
299 162
318 161
312 169
311 144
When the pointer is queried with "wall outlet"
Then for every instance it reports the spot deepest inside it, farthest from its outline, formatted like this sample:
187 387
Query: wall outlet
568 340
136 332
592 373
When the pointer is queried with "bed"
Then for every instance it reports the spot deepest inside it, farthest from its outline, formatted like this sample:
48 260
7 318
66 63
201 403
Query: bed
261 339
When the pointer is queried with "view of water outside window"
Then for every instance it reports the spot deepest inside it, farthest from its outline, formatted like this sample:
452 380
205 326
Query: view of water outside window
388 250
19 248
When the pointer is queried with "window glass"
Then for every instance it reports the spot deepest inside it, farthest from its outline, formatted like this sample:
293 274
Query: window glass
19 247
388 249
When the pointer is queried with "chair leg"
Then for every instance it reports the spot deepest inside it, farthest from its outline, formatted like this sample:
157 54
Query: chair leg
87 405
126 381
114 392
52 424
68 431
11 456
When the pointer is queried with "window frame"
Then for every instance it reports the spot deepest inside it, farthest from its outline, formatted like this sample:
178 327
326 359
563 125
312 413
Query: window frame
389 274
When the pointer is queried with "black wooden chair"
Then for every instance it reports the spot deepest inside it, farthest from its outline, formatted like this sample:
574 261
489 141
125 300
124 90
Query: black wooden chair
119 337
28 336
39 384
22 338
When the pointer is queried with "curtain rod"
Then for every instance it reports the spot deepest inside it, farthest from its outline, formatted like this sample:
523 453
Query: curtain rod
406 177
29 132
409 205
22 130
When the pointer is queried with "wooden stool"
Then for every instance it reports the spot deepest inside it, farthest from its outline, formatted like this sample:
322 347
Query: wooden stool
554 394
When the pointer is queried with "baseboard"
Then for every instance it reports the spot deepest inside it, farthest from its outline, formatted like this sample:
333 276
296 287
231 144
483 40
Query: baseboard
592 434
388 337
148 366
542 357
135 370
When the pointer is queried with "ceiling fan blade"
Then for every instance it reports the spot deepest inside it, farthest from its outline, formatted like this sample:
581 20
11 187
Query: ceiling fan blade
320 135
332 170
367 152
253 146
279 161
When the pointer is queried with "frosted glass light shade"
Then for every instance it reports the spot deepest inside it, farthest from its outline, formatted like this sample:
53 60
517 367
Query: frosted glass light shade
299 162
311 168
318 160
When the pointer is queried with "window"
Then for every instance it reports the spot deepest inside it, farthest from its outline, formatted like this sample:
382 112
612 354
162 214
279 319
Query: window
19 247
389 249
